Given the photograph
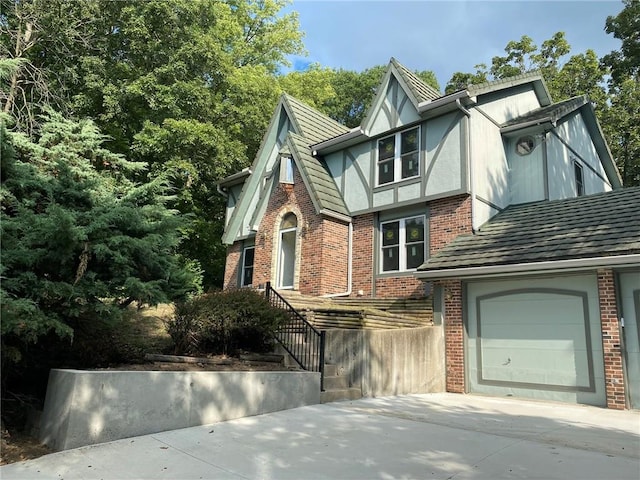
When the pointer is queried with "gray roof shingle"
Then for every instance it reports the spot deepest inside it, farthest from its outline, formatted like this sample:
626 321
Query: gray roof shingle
419 88
323 189
553 112
600 225
313 125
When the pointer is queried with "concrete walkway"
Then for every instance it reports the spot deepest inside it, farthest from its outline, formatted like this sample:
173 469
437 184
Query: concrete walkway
435 436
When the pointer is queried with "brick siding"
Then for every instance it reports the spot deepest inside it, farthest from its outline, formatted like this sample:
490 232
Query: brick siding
453 335
613 374
448 218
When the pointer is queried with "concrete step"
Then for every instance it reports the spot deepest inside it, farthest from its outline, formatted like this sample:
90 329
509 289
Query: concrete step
340 395
336 382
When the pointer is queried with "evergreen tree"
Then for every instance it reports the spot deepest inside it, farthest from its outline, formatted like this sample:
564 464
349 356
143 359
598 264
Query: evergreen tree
80 241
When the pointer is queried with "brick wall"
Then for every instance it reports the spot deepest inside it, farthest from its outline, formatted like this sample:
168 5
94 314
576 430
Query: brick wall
362 260
448 218
321 244
232 265
613 374
453 335
323 257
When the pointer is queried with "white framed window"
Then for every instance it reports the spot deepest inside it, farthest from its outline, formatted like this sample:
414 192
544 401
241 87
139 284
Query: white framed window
579 174
248 256
286 170
287 251
402 244
399 156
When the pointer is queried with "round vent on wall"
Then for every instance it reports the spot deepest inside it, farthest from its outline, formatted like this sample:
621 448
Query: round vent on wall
525 145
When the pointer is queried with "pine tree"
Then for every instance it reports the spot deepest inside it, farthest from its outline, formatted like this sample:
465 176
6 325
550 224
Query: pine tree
80 240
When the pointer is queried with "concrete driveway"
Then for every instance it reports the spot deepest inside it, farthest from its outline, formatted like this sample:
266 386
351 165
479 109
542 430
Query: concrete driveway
434 436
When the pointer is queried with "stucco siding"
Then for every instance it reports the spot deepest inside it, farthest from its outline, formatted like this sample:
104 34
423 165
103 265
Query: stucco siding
444 155
489 167
562 182
506 105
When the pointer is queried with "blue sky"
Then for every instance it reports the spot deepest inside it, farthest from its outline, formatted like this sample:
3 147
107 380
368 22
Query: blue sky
442 36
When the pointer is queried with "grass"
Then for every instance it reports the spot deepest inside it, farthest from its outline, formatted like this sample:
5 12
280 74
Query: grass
142 330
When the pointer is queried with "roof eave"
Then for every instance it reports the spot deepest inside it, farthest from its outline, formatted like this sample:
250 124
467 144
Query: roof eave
632 260
235 178
355 135
547 121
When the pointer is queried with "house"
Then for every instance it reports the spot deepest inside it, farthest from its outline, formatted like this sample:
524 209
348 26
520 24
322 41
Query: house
384 209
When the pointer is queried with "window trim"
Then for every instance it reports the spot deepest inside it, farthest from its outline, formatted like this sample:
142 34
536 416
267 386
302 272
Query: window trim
402 244
244 265
397 156
286 169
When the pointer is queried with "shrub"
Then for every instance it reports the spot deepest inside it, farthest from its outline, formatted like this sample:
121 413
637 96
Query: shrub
225 322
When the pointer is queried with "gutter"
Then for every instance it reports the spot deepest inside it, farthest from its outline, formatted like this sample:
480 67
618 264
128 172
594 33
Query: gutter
531 123
632 260
439 102
349 268
332 142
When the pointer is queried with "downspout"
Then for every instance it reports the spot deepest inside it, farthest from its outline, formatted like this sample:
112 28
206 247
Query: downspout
349 267
469 163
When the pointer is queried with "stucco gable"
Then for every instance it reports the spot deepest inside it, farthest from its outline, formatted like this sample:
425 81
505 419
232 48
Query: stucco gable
290 116
410 85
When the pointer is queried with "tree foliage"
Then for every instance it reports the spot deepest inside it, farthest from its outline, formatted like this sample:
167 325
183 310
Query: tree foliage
580 74
625 27
621 121
79 240
344 95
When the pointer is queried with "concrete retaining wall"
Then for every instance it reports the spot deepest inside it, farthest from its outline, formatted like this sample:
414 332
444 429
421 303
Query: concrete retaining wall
389 362
88 407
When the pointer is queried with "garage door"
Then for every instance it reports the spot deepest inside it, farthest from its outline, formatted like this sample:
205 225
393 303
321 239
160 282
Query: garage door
630 289
536 338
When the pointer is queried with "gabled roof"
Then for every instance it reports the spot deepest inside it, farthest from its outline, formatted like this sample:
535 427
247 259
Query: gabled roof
429 102
420 90
417 90
310 123
311 126
323 191
601 226
535 77
550 113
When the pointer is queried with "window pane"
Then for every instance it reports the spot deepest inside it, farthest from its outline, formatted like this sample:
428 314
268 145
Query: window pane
410 165
390 233
386 148
385 172
415 255
409 141
414 229
289 221
247 277
247 266
390 259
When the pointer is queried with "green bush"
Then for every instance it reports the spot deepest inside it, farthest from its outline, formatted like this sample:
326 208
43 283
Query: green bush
224 323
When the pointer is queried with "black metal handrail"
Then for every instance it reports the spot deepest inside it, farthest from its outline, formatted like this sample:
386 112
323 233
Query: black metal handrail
299 338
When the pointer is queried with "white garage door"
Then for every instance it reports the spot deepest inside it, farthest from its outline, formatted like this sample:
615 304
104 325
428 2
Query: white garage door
536 338
630 289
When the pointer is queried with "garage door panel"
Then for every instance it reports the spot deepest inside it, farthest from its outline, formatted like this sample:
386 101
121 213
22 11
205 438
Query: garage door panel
528 337
630 290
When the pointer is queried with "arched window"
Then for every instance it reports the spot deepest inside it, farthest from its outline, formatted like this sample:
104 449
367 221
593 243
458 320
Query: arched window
287 251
